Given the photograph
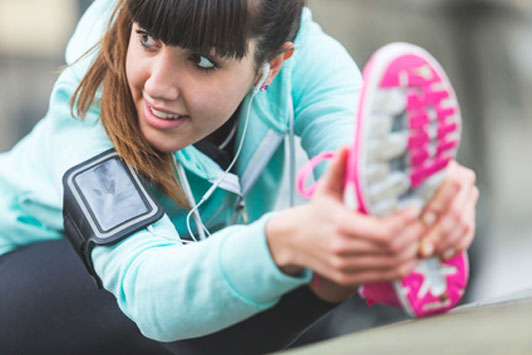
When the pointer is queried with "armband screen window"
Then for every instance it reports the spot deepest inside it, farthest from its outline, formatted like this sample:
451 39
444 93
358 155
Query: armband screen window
112 197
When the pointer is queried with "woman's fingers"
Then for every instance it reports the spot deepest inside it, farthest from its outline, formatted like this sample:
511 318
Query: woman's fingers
407 239
440 202
433 213
332 182
459 219
365 262
343 258
461 236
449 216
374 275
382 231
388 275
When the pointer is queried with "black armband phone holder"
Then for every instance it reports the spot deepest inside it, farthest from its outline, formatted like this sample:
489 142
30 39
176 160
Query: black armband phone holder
104 202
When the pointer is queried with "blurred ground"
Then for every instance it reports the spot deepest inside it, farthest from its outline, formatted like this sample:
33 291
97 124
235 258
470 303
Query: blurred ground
498 327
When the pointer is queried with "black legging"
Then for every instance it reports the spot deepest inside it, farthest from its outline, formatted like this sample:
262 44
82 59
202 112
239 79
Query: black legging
50 305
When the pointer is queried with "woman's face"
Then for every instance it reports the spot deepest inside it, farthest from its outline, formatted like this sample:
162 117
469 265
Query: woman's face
181 96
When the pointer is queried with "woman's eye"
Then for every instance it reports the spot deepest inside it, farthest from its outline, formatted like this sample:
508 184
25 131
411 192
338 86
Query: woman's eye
146 40
204 63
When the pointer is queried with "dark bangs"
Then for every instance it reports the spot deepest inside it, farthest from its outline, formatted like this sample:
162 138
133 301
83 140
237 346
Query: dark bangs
197 25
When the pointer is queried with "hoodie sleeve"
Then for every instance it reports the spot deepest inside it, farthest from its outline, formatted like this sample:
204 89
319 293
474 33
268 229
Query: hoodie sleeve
175 291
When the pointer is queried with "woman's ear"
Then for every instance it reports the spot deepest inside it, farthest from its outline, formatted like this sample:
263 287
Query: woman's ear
287 49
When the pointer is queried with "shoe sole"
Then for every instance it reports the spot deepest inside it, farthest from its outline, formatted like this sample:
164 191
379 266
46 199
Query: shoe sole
399 159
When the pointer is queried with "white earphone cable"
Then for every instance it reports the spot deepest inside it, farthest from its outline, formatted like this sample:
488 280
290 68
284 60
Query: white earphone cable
195 209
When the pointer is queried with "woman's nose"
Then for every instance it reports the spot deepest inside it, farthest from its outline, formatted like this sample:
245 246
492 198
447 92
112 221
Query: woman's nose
162 83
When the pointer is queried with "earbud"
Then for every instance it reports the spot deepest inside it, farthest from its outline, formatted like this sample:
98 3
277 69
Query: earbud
264 76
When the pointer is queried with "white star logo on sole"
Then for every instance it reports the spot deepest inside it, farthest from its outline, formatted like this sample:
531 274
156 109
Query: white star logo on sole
434 277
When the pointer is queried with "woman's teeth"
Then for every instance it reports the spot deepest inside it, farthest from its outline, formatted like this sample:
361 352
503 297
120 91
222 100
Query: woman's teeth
164 115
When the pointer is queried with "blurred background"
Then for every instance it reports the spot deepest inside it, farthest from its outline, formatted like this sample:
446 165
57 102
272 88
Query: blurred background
485 47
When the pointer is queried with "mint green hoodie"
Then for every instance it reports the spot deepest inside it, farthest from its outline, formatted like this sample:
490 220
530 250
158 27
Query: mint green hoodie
174 291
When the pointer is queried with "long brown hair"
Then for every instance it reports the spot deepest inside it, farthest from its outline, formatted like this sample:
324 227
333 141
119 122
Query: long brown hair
200 25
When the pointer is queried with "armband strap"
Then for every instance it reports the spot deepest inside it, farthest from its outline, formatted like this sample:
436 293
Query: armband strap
104 202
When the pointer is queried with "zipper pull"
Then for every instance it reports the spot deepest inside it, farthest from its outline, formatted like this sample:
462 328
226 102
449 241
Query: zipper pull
241 209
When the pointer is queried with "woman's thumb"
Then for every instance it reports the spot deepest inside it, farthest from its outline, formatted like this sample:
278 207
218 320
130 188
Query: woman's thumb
332 181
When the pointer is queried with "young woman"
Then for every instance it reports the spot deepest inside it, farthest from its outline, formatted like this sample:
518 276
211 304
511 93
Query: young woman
196 98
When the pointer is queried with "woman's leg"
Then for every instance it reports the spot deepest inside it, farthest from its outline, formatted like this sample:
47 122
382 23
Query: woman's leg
50 305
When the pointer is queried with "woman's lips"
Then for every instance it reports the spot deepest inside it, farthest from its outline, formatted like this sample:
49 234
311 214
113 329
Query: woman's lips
164 115
162 119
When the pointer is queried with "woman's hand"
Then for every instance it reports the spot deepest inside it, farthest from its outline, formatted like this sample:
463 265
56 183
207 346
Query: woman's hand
345 247
330 291
451 214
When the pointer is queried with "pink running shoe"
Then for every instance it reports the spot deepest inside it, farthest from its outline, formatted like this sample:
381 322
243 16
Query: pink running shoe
407 131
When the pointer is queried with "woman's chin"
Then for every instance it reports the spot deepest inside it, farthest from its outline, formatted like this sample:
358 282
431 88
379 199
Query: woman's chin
167 148
165 145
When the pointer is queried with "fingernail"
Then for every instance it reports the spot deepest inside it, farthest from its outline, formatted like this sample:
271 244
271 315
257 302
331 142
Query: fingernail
449 253
427 249
429 218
